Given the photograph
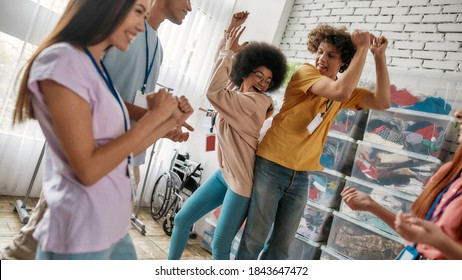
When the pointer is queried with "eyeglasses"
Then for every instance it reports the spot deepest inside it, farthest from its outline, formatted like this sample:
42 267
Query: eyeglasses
260 76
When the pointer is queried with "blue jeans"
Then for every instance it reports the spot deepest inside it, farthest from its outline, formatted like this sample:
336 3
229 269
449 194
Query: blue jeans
211 194
122 250
278 197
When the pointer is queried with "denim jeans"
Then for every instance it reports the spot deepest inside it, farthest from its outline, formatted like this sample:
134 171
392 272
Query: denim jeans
211 194
278 197
122 250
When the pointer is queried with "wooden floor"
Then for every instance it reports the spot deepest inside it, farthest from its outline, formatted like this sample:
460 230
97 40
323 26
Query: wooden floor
152 246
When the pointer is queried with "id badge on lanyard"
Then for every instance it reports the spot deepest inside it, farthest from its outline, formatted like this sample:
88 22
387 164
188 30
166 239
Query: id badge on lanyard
318 118
409 253
314 123
140 100
140 96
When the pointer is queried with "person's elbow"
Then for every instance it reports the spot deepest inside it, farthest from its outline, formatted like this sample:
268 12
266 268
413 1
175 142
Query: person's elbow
383 105
343 98
86 177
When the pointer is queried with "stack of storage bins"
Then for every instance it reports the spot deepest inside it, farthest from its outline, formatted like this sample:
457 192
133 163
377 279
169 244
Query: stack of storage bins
401 149
325 186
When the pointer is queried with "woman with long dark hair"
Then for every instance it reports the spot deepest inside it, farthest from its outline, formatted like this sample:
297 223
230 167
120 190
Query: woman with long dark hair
87 171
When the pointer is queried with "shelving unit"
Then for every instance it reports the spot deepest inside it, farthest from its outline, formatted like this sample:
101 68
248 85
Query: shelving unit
399 150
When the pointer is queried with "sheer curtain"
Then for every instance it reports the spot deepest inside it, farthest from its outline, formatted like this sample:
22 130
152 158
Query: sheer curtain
23 24
189 50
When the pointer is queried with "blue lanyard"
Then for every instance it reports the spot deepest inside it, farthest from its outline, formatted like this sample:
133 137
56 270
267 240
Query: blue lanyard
438 199
148 66
110 85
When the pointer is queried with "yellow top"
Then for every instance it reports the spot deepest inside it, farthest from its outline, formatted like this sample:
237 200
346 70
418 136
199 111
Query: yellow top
287 142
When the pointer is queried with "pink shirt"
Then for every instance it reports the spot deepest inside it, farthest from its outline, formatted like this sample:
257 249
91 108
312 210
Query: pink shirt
79 219
450 220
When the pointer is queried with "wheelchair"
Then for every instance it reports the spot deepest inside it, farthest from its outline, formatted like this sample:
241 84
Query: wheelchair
172 188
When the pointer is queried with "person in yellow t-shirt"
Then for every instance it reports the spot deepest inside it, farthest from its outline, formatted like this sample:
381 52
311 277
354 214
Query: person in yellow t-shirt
293 144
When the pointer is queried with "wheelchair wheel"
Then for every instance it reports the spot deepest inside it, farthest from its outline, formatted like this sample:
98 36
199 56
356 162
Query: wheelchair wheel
160 196
168 224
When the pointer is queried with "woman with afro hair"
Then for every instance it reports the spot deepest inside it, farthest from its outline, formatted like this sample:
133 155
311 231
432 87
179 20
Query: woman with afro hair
242 105
293 144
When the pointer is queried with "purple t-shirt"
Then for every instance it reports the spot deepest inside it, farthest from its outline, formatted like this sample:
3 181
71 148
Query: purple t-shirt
79 219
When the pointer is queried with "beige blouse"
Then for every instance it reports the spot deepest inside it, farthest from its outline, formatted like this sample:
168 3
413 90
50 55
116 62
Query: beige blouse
241 116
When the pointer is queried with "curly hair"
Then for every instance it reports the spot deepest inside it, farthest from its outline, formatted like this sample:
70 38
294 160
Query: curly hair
256 54
338 37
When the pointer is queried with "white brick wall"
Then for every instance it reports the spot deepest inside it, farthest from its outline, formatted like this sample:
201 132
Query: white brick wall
424 35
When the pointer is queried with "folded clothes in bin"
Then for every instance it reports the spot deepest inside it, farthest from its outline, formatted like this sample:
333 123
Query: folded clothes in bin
401 170
315 222
324 187
422 133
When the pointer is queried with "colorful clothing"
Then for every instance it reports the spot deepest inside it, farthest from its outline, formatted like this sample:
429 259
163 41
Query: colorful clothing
79 219
241 116
287 142
450 220
211 194
288 149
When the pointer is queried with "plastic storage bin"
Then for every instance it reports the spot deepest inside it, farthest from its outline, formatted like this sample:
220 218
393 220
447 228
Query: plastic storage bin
315 222
304 249
350 123
338 153
431 93
396 169
419 132
437 93
359 241
392 200
235 245
325 186
328 254
207 236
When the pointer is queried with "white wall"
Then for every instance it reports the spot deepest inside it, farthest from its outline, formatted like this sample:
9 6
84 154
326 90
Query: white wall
425 39
267 19
423 34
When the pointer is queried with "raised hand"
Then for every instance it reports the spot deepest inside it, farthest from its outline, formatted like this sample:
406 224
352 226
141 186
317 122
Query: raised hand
378 45
361 39
232 39
237 20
